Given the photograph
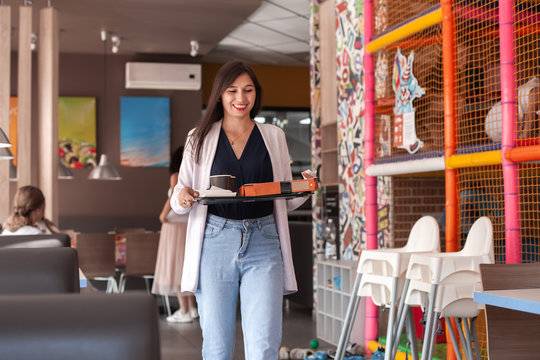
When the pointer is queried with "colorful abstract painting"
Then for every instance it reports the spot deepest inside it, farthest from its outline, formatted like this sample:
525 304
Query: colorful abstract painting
13 117
145 128
77 131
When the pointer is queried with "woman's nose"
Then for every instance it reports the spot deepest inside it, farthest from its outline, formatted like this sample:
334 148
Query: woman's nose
242 95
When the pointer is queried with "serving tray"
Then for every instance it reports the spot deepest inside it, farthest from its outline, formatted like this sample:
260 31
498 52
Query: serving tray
211 200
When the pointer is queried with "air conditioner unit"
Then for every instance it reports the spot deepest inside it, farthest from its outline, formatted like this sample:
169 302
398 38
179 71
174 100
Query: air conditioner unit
163 76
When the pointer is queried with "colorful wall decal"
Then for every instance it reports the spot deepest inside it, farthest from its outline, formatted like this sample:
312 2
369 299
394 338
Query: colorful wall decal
144 131
77 131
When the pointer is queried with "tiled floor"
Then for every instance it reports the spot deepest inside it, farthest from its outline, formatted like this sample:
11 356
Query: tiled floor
183 341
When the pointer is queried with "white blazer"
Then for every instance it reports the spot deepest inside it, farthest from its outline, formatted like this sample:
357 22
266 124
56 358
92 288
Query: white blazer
197 176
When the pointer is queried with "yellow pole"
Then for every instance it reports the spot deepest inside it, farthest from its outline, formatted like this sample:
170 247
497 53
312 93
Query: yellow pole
409 28
475 159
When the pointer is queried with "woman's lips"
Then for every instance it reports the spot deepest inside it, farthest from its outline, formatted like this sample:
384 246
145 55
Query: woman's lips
240 106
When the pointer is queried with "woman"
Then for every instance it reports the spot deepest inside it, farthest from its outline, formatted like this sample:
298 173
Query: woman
170 258
236 248
27 216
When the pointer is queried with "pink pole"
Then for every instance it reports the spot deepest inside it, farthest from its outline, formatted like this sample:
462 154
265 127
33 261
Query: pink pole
509 124
371 329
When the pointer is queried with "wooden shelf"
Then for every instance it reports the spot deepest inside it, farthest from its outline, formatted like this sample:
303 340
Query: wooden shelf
329 138
328 94
329 167
327 184
329 124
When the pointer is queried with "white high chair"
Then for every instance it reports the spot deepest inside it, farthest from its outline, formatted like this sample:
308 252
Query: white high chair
444 284
381 275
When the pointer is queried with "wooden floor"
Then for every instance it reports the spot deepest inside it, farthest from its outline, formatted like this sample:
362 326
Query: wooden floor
184 341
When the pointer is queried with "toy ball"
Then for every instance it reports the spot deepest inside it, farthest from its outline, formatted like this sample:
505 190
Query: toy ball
314 344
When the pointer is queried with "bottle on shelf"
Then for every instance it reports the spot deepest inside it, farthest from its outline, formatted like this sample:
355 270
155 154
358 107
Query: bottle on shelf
321 243
330 235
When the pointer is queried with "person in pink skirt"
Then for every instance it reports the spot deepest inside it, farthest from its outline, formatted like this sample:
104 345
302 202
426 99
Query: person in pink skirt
170 258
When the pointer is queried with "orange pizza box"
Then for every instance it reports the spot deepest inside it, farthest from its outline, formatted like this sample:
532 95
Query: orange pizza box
276 188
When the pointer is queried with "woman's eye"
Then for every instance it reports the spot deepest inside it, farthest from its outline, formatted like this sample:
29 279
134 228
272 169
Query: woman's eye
248 90
231 91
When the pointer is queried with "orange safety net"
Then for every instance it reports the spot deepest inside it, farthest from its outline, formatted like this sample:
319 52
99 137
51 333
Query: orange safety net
477 93
527 74
426 48
390 14
481 193
527 69
529 193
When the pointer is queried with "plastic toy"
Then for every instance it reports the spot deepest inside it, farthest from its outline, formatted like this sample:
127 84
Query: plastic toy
283 353
319 356
379 354
299 353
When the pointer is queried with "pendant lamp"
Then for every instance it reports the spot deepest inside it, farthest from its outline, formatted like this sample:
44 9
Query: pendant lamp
64 173
5 154
4 141
104 170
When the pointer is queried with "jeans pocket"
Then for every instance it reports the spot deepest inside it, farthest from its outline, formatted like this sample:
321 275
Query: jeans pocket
270 232
211 230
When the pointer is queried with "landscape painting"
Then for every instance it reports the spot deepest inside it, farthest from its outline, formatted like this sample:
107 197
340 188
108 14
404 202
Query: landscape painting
144 131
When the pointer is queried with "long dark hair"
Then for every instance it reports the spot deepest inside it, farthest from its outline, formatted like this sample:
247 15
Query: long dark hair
176 160
214 110
27 199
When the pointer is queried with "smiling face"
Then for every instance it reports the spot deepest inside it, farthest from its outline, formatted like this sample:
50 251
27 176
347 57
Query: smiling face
238 99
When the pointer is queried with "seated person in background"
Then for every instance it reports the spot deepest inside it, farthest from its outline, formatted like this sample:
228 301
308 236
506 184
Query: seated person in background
27 214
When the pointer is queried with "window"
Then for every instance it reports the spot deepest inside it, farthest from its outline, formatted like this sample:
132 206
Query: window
296 123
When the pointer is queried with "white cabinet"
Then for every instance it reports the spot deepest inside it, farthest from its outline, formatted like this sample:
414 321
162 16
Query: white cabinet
335 280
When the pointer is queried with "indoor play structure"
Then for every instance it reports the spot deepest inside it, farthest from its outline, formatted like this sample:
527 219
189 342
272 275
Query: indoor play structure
454 87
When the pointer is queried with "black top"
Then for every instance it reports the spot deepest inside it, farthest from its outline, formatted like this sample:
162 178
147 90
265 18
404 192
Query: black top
254 166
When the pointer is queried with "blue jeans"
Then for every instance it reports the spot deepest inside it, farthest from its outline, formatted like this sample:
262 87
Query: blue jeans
240 257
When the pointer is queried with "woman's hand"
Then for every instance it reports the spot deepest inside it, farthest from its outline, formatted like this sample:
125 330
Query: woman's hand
163 217
187 196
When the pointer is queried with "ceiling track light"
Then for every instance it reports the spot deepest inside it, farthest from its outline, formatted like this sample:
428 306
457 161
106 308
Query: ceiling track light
194 47
33 42
115 40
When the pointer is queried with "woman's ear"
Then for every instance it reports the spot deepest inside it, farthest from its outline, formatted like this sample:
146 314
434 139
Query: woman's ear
38 214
